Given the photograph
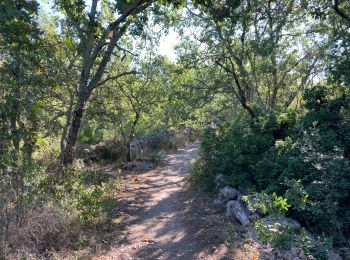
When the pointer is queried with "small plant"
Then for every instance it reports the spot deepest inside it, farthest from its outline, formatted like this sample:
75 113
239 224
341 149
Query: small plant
296 194
286 237
267 204
95 177
155 157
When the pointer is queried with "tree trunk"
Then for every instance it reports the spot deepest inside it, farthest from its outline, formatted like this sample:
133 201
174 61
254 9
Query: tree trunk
69 151
131 135
66 126
275 86
128 155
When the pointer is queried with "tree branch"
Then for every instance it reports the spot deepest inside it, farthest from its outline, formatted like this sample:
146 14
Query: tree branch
240 93
114 27
116 77
340 12
74 22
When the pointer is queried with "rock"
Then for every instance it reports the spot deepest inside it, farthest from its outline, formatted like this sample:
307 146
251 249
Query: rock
220 178
285 223
220 201
345 252
229 192
236 209
252 217
331 255
296 254
290 224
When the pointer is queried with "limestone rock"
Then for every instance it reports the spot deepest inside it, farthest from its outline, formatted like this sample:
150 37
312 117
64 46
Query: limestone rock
229 192
236 209
284 223
220 201
220 178
331 255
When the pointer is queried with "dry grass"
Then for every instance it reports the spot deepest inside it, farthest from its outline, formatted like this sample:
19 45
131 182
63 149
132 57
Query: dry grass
47 229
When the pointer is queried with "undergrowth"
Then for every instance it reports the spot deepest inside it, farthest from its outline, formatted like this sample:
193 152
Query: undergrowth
303 158
64 210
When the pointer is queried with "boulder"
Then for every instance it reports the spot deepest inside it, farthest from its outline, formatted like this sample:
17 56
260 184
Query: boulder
284 223
235 209
220 201
331 255
229 192
252 217
220 178
345 252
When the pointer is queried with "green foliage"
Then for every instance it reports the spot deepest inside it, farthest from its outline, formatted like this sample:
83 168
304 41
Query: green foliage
305 159
61 66
273 204
91 133
296 195
280 231
274 234
155 157
285 237
88 192
244 149
95 177
199 176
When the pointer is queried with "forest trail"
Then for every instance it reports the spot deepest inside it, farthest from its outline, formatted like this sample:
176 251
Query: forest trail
164 219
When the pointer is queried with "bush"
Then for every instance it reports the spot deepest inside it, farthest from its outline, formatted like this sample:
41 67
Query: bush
243 150
285 237
89 192
303 157
280 231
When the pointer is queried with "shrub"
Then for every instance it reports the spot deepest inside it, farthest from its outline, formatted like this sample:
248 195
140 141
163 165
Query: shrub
200 177
280 231
273 204
244 149
303 157
285 237
89 192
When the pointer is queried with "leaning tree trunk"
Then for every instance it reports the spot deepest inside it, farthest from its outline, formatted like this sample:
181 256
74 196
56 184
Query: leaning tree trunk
68 154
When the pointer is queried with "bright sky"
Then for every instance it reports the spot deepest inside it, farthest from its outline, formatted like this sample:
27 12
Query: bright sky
167 42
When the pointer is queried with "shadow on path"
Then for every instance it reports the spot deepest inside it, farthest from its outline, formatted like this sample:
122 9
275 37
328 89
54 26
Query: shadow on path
165 220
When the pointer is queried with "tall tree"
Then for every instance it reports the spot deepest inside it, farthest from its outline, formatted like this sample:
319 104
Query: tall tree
265 55
97 32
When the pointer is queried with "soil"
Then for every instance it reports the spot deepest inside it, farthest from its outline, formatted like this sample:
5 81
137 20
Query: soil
165 218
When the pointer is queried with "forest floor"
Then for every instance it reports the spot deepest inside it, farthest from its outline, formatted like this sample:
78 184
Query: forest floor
164 218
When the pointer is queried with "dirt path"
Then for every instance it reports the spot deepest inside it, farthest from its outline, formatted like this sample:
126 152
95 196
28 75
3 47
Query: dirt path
164 220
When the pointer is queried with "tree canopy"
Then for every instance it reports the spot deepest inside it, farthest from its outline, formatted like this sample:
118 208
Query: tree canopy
273 78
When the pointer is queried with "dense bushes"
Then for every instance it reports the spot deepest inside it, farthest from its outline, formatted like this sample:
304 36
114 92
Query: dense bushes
304 157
